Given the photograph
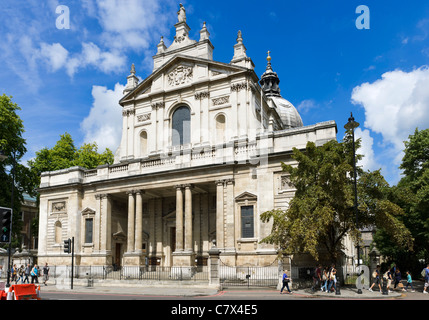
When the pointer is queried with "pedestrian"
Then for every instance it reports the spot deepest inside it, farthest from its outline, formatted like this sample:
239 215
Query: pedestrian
332 278
426 273
376 277
45 273
409 282
286 281
14 273
34 274
398 278
317 278
325 280
388 278
19 274
27 273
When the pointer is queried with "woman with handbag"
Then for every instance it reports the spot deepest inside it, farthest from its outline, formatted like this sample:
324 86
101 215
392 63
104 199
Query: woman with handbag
286 281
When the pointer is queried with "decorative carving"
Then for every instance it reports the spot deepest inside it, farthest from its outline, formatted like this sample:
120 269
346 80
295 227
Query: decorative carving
157 105
202 95
128 112
285 183
181 14
220 101
144 117
180 75
239 86
59 206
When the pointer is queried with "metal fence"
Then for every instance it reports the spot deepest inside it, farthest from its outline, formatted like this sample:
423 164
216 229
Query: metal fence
153 273
235 276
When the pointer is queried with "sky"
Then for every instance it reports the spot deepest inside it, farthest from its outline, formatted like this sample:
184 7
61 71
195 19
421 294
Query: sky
65 63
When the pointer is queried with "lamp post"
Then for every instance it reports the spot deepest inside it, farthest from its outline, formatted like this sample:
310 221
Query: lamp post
352 125
2 158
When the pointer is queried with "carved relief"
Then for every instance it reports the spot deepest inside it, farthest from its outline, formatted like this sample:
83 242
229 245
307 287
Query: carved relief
285 183
157 105
180 75
220 101
144 117
59 206
129 112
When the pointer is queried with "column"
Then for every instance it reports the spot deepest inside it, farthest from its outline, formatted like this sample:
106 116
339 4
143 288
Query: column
188 218
131 221
219 214
230 218
139 221
179 218
106 227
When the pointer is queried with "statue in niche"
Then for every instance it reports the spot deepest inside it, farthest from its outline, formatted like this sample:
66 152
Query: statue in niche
182 14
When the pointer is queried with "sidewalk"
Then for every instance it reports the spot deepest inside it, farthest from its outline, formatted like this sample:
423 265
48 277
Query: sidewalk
349 293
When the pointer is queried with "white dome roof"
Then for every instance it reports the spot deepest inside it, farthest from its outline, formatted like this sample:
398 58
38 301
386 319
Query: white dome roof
288 113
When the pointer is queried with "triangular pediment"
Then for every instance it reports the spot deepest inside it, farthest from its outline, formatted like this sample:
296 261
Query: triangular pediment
180 71
88 211
246 196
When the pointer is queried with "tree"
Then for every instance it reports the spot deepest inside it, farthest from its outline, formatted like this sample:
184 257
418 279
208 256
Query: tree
321 213
65 155
13 175
411 194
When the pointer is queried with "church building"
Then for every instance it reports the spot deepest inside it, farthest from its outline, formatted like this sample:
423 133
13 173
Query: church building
199 162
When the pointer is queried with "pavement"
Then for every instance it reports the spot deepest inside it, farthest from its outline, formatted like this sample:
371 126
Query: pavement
175 290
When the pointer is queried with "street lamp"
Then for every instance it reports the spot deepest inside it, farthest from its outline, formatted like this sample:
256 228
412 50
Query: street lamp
352 125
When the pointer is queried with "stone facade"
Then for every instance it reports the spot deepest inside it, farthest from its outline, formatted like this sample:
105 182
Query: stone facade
199 160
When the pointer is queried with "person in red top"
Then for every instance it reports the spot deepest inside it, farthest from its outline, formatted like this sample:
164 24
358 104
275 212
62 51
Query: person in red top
317 278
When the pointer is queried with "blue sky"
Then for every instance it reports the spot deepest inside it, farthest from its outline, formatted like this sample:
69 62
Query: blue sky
69 80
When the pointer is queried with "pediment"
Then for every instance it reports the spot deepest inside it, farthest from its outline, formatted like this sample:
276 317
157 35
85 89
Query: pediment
246 196
179 71
88 211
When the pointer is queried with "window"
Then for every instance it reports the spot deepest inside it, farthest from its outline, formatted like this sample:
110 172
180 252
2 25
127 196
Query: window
88 230
181 126
247 222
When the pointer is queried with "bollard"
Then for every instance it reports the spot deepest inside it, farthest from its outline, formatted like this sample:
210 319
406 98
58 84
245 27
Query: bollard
337 288
384 289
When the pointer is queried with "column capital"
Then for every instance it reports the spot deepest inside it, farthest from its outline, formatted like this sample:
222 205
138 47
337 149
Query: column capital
179 186
130 192
138 191
101 196
188 186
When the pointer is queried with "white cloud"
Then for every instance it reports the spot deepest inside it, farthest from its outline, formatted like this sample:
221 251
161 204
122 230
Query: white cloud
307 105
104 122
395 105
368 162
55 54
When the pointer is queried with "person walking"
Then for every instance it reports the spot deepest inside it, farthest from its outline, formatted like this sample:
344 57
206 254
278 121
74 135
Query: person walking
27 273
388 278
376 276
409 282
14 273
426 273
285 280
34 274
325 280
317 278
332 278
45 273
398 278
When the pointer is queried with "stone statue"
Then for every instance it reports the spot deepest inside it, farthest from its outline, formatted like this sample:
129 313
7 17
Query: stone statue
182 14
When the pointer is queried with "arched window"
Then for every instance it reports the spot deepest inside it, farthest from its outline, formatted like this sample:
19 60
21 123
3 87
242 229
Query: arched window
181 126
220 128
58 232
143 143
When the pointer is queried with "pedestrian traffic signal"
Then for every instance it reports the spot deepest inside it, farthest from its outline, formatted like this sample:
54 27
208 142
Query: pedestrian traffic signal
5 224
67 246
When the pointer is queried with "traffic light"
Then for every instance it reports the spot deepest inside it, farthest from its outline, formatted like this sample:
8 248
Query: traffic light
67 246
5 224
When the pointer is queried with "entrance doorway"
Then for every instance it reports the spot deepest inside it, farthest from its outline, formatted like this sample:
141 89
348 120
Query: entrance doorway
118 255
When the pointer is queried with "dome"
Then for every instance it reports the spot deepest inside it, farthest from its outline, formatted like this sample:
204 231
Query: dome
270 85
288 113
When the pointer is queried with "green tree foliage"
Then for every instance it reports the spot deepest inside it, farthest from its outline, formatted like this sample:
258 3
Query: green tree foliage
411 194
322 212
12 173
65 155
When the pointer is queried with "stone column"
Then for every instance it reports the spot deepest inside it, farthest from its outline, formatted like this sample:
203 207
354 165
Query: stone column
131 221
188 218
106 227
219 214
139 221
214 274
230 218
179 218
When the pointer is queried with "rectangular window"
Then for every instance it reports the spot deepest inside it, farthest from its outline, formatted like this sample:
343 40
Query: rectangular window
88 230
247 222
